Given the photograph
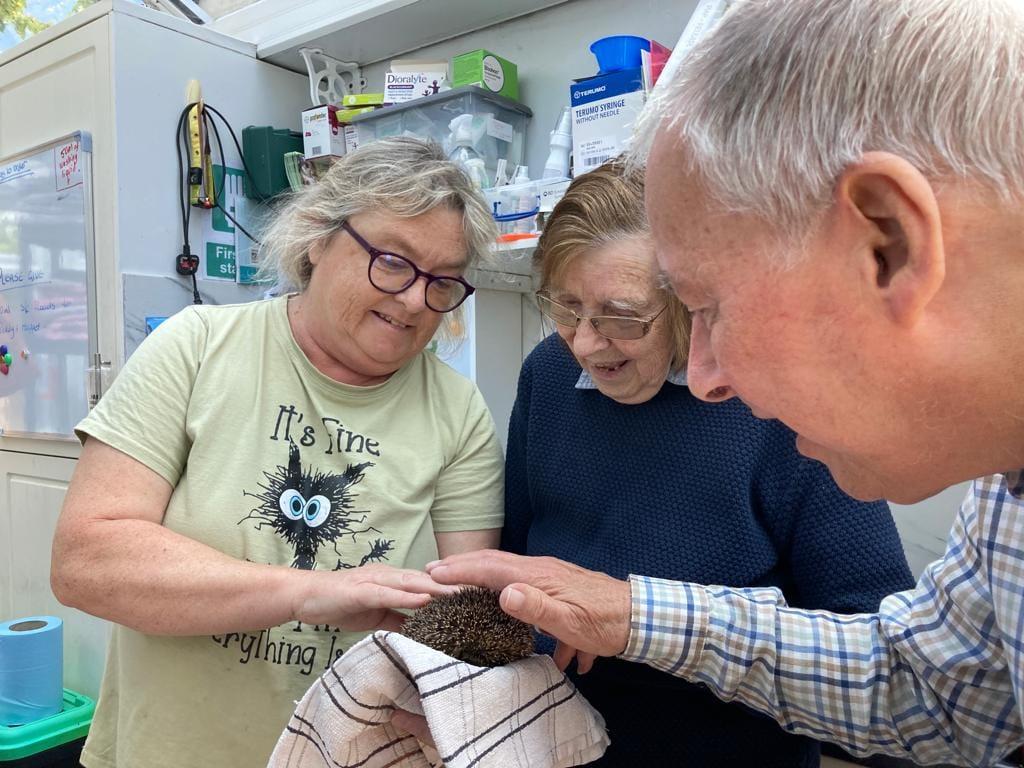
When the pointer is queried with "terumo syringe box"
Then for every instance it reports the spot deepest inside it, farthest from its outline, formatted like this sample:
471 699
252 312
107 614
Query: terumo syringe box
604 109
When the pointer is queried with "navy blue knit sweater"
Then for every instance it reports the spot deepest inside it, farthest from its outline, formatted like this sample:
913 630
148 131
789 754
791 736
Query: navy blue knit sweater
681 489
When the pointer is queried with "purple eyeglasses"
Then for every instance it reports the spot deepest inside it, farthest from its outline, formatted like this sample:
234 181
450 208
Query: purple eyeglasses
391 273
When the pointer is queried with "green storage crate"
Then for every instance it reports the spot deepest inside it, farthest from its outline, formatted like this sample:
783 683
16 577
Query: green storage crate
72 722
264 149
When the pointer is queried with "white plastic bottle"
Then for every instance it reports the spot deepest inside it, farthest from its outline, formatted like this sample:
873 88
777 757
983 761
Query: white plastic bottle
463 152
526 199
557 164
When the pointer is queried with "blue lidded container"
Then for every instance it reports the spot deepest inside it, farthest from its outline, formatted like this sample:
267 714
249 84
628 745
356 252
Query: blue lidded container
619 52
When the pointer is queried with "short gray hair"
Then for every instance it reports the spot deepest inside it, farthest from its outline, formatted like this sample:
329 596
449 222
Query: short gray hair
402 175
784 94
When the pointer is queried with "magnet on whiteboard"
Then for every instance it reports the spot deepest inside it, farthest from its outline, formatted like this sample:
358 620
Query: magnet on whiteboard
24 354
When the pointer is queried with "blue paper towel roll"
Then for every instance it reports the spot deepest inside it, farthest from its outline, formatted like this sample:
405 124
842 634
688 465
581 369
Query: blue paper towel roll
31 669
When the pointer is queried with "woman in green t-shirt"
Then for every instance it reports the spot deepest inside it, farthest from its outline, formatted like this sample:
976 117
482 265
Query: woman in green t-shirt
263 481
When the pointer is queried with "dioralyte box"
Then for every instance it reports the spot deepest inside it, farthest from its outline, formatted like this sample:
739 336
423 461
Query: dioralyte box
322 134
410 79
604 109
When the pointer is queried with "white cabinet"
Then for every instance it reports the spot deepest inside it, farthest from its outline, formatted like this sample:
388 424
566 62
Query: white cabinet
31 493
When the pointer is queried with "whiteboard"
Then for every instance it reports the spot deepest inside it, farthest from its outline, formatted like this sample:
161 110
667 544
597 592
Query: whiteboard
47 305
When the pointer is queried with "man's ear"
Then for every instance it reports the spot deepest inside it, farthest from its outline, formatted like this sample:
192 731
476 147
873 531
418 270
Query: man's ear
894 216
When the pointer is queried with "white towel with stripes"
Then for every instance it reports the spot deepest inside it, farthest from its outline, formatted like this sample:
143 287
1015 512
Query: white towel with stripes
525 714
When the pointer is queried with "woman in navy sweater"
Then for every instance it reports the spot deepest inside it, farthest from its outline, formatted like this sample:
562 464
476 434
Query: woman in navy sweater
602 424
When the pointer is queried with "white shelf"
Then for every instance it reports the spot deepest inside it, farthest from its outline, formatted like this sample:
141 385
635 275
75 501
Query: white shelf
363 31
509 270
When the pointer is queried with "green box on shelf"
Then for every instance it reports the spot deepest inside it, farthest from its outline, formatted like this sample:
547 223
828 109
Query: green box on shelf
488 71
18 742
350 100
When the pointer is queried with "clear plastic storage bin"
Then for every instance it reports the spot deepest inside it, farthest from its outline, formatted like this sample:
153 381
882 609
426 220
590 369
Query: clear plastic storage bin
498 125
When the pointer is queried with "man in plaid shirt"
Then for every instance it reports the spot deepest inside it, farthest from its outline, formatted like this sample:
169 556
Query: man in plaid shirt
834 188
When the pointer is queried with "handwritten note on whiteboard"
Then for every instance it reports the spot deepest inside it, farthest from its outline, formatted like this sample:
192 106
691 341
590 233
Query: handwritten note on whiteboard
44 307
69 169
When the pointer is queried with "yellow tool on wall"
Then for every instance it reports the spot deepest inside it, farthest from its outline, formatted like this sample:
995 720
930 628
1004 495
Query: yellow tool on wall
202 187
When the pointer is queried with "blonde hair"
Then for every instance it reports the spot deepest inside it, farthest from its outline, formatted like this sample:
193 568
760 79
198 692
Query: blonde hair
784 94
601 207
402 175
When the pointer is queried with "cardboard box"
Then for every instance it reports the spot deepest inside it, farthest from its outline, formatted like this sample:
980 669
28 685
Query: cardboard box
362 100
486 70
344 116
604 109
348 130
410 79
322 134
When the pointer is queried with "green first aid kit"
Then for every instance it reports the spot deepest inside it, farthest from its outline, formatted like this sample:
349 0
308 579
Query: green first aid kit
264 149
53 742
486 70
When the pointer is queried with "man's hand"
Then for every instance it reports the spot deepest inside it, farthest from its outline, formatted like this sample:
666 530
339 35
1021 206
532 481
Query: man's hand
586 611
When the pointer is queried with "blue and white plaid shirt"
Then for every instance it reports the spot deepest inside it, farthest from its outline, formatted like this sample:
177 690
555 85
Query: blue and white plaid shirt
937 674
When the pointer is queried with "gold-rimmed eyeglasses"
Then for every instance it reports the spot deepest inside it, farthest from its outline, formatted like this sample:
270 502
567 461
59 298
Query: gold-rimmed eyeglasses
609 326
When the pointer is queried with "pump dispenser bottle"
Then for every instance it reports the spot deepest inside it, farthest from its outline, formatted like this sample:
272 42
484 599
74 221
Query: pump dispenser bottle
463 152
526 200
557 165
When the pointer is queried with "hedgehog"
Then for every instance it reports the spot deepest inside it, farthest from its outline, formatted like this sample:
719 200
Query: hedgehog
470 626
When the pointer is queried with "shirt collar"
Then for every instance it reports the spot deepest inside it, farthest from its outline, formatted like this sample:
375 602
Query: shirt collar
586 382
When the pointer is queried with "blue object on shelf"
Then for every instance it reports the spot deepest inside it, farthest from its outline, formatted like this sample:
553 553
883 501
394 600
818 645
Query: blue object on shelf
516 216
619 52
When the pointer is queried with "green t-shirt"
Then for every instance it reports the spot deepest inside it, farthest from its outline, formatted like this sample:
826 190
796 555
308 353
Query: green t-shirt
273 462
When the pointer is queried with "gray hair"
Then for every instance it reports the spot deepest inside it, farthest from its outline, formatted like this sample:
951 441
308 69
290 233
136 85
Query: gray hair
405 176
784 94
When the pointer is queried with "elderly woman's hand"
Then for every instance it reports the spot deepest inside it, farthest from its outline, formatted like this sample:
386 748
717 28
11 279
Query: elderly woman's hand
585 611
363 598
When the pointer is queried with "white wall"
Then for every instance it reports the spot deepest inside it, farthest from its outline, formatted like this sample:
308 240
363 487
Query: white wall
152 68
924 527
150 93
